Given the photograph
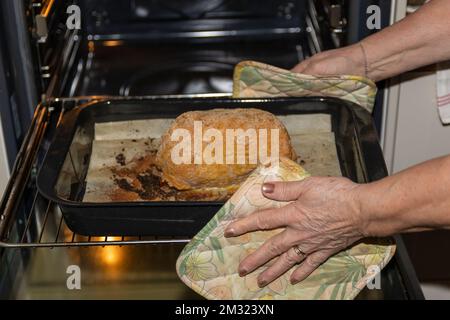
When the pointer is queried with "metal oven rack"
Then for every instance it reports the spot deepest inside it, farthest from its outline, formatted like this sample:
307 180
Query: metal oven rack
29 220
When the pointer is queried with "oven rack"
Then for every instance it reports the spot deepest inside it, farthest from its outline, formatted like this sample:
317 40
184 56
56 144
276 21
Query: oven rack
27 219
49 230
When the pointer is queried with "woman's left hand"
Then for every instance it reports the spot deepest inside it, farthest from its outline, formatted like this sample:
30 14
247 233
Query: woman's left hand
323 218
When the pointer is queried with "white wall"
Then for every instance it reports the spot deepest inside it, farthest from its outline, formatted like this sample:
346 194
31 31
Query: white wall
420 134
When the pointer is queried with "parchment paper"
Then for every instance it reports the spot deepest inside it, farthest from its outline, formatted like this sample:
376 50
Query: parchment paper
121 146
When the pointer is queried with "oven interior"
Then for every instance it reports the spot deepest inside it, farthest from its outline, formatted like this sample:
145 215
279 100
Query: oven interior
142 47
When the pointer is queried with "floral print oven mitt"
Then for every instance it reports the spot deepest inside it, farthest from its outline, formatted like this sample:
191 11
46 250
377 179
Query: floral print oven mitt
258 80
209 263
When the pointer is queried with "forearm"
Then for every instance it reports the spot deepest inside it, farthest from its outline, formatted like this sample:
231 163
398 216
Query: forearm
418 40
415 199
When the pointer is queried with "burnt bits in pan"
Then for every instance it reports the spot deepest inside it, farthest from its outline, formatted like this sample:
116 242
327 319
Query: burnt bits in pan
139 180
120 159
150 187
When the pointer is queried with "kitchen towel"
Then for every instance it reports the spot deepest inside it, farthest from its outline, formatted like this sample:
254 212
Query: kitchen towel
443 93
209 263
259 80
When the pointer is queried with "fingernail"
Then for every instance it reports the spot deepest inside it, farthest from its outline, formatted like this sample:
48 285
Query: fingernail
262 283
229 232
242 272
268 188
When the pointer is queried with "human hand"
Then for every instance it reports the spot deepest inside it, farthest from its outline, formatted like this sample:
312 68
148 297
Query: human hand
344 61
323 218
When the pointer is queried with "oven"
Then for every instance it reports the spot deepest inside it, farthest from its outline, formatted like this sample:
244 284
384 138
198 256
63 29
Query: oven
134 49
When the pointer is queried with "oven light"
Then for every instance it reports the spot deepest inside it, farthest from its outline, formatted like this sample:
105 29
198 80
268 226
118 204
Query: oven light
91 46
111 255
112 43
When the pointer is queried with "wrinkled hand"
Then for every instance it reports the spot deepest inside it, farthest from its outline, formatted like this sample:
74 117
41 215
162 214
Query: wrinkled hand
344 61
323 219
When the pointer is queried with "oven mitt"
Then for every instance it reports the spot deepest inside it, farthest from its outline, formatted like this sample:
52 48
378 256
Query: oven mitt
209 263
258 80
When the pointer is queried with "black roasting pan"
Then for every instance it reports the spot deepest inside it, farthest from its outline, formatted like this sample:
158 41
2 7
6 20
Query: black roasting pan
357 146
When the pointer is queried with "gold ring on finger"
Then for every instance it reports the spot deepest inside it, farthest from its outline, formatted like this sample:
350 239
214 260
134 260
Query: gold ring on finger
299 251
